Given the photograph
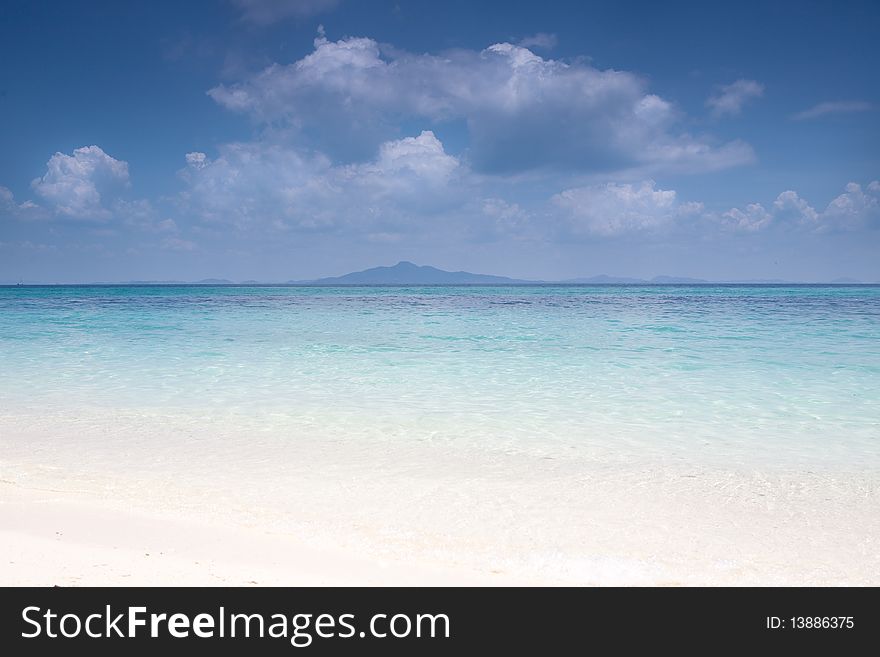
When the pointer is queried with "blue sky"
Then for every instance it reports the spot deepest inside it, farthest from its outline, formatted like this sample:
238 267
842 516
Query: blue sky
277 140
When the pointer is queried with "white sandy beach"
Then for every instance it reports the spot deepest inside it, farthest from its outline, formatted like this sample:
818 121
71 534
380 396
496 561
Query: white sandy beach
50 539
322 512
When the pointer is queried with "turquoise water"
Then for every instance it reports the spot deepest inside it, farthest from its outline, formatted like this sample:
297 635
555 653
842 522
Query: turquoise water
733 374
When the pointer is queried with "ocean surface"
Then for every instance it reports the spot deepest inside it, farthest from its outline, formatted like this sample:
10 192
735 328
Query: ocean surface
729 372
525 425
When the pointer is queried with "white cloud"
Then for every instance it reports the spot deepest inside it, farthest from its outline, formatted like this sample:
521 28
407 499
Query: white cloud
73 184
8 205
196 160
403 162
249 182
423 156
267 12
754 218
522 111
837 107
731 98
254 183
854 209
11 208
413 186
506 218
788 210
544 40
614 209
789 206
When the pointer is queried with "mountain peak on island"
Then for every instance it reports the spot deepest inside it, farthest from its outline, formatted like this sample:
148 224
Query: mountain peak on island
409 273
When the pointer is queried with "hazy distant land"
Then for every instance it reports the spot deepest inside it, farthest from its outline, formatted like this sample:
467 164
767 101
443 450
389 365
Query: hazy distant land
408 273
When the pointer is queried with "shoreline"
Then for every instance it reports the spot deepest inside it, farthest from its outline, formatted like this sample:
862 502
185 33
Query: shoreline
665 531
222 505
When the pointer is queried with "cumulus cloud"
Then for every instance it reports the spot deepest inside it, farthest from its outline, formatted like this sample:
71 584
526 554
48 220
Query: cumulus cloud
259 183
248 182
423 156
837 107
791 208
88 186
854 209
10 207
196 160
267 12
522 111
754 218
403 161
614 209
413 186
731 98
73 185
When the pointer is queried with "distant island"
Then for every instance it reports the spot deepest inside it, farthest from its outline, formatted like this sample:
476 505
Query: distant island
408 273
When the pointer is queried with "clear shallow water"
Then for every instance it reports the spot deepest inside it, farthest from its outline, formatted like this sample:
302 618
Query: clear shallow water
617 435
729 374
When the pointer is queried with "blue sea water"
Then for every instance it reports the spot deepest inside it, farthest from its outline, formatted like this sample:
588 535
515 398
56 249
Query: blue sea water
738 374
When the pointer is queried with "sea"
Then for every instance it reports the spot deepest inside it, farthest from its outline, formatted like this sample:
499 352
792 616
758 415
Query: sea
497 421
